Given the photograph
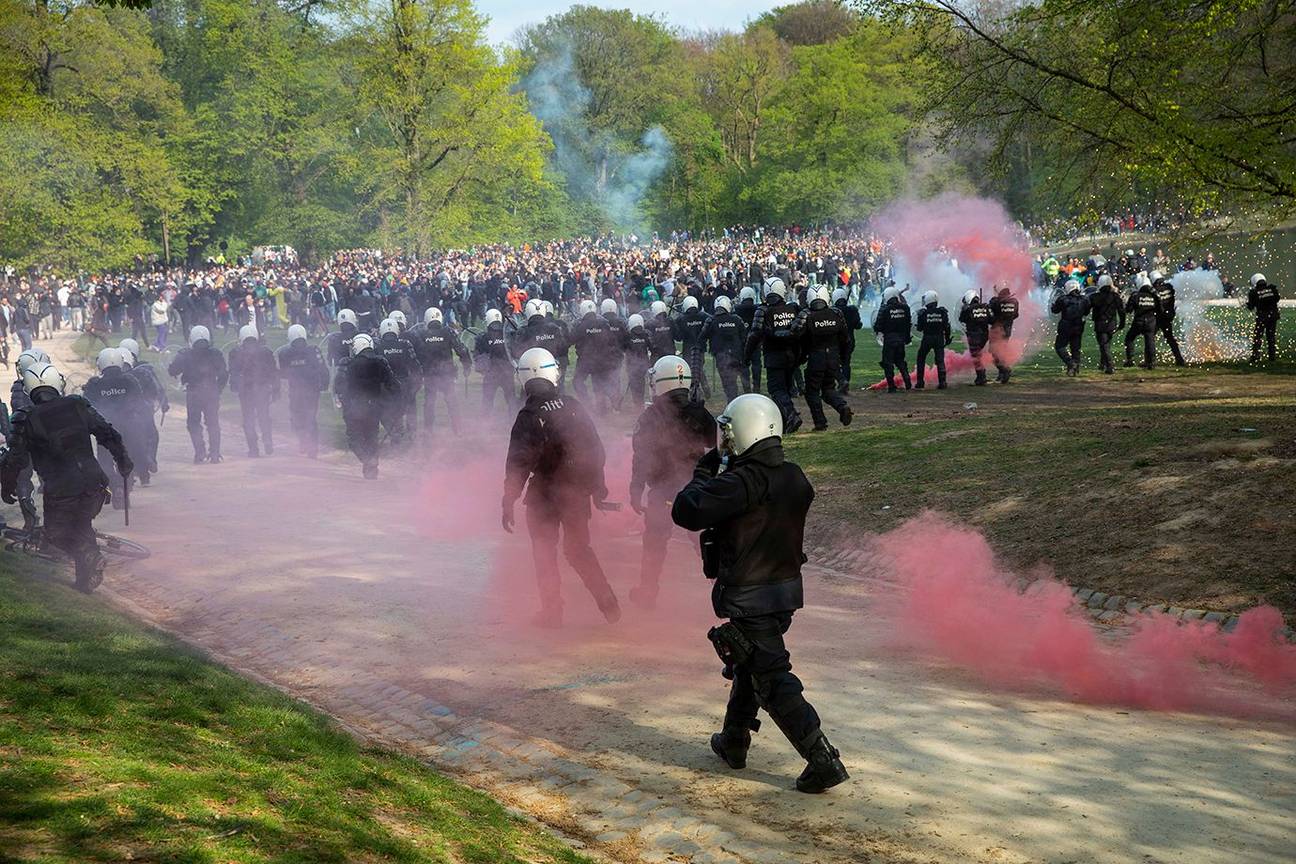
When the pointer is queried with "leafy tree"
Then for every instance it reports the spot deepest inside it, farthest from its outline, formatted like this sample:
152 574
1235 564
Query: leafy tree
811 22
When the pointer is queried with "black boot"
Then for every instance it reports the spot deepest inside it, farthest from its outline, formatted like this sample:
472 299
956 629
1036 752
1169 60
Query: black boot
731 744
824 768
845 415
980 378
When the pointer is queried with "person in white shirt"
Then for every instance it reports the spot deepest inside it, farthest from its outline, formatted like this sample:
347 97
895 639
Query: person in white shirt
160 317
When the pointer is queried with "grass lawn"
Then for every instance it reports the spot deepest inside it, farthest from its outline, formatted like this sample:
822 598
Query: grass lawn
118 744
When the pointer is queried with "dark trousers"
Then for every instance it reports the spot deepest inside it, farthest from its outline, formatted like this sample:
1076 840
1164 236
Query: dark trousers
1104 348
844 376
893 357
1266 330
636 383
780 381
1147 329
203 409
607 387
362 430
1067 346
1166 328
727 368
440 387
494 381
657 532
937 349
409 398
752 373
580 379
976 347
821 387
998 350
255 406
765 681
69 526
303 418
546 519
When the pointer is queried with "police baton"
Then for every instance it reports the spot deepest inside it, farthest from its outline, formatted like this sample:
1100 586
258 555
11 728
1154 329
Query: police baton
126 496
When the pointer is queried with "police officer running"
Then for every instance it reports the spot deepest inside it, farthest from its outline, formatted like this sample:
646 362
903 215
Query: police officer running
975 317
841 299
1145 307
771 333
302 365
201 368
1165 292
155 397
825 339
1108 319
1004 310
116 396
437 348
1072 306
367 388
750 504
725 335
53 433
254 376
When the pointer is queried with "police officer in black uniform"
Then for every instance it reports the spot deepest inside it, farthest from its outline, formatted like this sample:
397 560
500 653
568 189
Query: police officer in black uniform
975 317
540 331
437 347
53 434
254 376
1108 319
1144 308
18 400
933 323
689 329
661 332
1004 310
841 300
155 397
638 358
491 354
752 518
672 434
895 325
338 345
201 368
367 388
771 333
555 454
824 337
1263 300
589 336
302 365
1072 307
118 398
608 358
1165 292
725 335
404 363
751 369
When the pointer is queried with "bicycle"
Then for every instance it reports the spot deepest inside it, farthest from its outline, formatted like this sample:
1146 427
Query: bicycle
114 549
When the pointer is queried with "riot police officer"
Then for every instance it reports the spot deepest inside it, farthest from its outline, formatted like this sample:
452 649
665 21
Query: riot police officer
539 331
555 454
118 398
751 369
492 357
672 434
752 517
53 434
155 397
607 372
18 400
841 299
894 324
689 329
404 363
661 332
1165 292
1108 319
302 365
1263 300
934 325
1072 306
437 347
771 332
588 338
254 376
1144 308
201 368
725 335
975 317
338 346
638 358
1004 310
824 335
367 388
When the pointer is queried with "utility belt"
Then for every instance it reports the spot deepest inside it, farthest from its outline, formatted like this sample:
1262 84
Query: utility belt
732 647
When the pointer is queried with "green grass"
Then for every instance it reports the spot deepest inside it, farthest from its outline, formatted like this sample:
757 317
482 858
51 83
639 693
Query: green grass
117 743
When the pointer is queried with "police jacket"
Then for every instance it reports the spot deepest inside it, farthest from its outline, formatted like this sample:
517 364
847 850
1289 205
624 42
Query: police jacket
53 436
554 451
976 318
303 365
672 434
339 345
754 516
541 332
661 336
151 388
200 368
851 313
824 334
252 370
1004 308
933 322
1144 305
366 382
115 395
1263 299
436 346
771 331
638 352
1166 295
894 322
1106 309
1072 308
491 350
689 328
400 356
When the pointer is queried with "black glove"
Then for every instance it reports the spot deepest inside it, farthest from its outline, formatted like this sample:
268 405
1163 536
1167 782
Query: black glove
506 517
125 466
8 496
636 503
709 463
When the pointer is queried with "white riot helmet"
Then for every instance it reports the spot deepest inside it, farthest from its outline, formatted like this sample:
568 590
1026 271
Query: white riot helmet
389 326
348 316
1155 276
969 297
690 302
533 308
399 317
432 314
1257 279
131 347
108 358
1142 281
819 292
658 307
746 421
361 342
748 293
586 307
536 363
774 285
723 303
839 294
247 331
635 320
30 358
42 374
1104 281
199 333
1072 286
608 306
890 294
548 308
670 373
493 316
930 297
296 332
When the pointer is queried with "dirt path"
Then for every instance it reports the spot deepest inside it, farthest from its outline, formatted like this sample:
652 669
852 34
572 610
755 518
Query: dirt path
401 610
